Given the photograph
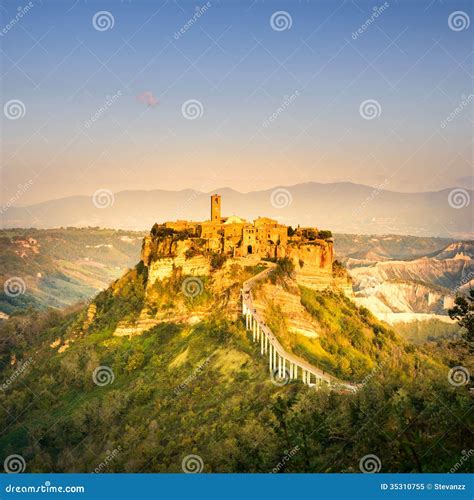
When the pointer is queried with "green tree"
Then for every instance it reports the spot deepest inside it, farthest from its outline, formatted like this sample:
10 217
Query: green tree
463 313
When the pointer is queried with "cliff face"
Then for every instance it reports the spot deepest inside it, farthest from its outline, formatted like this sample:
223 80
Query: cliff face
157 248
164 254
173 261
316 254
396 290
313 263
312 260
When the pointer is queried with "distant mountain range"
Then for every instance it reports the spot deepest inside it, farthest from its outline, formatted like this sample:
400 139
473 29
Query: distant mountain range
341 207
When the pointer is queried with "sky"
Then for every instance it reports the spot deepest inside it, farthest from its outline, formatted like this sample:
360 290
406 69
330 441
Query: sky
123 95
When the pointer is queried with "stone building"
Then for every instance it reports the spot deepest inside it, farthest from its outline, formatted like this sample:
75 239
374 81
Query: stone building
235 236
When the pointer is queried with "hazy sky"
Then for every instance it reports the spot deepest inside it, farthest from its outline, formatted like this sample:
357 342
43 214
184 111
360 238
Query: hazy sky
308 68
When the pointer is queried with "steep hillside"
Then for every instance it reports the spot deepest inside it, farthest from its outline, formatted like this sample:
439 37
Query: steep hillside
195 392
326 329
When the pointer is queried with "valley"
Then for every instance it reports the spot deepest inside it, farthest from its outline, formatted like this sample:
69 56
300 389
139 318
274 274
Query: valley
59 267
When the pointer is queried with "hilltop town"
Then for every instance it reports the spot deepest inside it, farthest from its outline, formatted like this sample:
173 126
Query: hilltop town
236 237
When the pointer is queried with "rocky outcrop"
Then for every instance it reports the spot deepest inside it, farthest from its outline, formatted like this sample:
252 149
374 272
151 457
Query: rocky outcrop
415 289
313 263
163 268
162 255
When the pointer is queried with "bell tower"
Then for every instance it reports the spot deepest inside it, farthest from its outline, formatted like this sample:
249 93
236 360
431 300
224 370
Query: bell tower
215 208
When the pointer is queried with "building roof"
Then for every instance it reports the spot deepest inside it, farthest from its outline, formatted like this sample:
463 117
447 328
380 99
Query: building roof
235 219
264 220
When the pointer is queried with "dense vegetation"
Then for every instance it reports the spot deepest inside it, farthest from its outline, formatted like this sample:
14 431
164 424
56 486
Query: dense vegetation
203 389
350 341
419 332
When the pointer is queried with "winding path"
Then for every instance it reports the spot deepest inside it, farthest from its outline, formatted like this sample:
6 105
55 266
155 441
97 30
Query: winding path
281 363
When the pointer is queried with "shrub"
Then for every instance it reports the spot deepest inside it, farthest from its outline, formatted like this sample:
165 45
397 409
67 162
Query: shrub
324 234
217 260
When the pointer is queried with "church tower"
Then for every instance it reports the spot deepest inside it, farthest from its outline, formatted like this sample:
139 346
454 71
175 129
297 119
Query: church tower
215 208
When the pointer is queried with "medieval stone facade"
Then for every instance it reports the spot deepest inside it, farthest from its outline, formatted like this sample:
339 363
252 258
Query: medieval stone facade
235 236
